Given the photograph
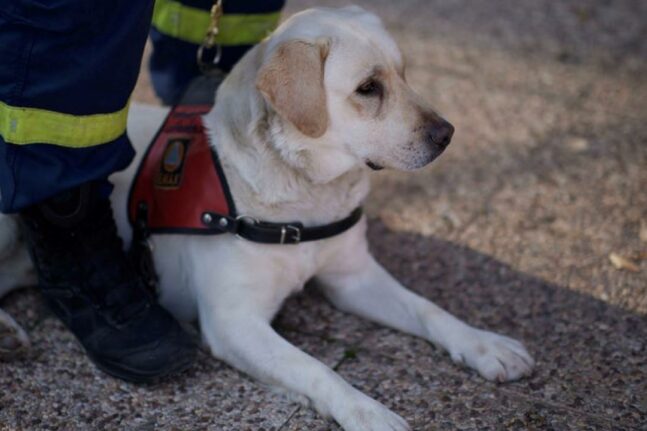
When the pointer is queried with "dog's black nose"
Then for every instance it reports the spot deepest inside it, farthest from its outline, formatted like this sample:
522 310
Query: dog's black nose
441 134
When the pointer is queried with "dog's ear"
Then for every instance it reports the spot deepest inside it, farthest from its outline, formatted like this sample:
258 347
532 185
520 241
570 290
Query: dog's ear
292 81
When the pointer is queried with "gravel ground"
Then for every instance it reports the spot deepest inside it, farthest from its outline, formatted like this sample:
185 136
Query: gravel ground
511 230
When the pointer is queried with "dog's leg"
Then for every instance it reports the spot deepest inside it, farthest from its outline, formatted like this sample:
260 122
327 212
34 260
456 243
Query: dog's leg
249 343
15 271
358 284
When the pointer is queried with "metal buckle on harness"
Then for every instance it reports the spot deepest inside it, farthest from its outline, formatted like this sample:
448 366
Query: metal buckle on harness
296 236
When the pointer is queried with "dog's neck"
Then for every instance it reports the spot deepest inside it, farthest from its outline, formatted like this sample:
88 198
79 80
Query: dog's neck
271 175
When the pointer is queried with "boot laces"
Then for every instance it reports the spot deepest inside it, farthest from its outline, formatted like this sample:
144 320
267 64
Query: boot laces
90 258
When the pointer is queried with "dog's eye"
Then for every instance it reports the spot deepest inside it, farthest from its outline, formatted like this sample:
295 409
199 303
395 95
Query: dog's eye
369 88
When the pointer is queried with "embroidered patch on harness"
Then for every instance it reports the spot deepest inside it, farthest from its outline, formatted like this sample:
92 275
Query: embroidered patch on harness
172 166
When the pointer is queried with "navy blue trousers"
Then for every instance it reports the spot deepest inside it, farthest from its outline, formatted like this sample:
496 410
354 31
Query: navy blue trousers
67 70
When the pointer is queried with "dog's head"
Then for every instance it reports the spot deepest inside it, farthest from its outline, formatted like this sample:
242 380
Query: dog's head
336 79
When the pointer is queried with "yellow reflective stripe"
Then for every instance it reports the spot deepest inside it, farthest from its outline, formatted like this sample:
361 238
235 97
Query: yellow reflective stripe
190 24
246 29
22 126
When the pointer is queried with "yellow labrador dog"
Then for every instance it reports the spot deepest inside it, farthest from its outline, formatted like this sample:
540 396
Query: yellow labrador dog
299 124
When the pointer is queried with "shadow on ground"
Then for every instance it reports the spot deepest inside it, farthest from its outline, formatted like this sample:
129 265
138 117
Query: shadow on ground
590 373
591 356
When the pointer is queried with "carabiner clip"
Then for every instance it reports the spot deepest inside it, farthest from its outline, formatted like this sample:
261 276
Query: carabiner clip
208 59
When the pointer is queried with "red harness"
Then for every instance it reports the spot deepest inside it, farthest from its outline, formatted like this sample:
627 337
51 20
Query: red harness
180 187
180 178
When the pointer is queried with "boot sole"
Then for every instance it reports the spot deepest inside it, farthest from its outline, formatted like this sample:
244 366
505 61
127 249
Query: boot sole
140 376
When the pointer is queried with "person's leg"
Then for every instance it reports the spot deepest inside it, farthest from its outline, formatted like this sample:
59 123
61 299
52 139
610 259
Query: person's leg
179 27
68 69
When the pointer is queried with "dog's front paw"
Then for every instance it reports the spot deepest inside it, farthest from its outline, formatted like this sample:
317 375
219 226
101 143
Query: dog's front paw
494 356
14 341
366 414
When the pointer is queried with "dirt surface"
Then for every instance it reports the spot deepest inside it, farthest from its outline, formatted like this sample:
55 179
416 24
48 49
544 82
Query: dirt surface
511 230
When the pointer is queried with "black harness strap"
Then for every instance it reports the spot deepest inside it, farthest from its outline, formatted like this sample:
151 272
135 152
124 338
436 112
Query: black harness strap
141 253
264 232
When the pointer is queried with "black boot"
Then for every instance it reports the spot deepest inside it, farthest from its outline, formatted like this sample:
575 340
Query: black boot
91 286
